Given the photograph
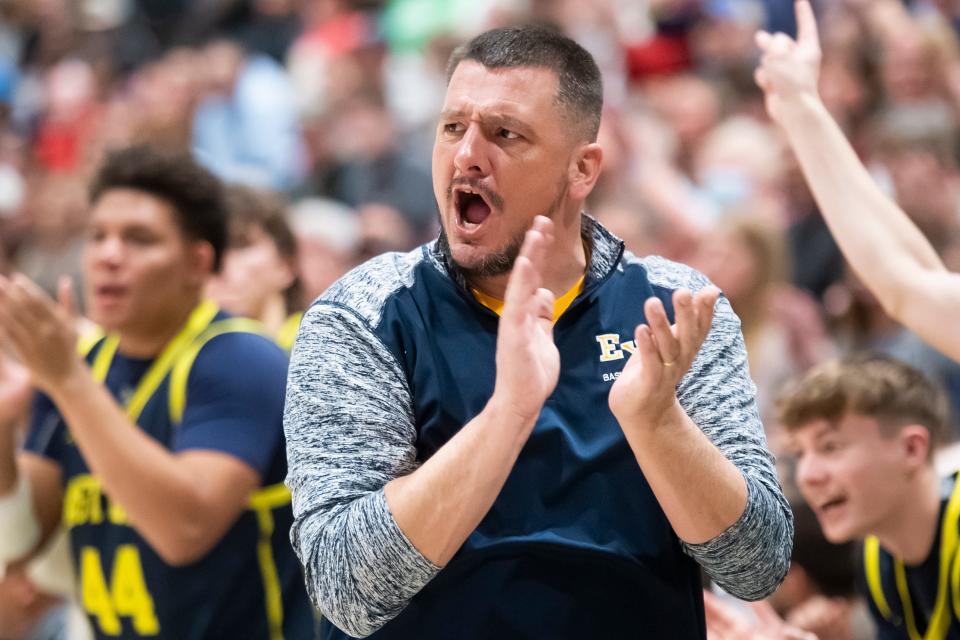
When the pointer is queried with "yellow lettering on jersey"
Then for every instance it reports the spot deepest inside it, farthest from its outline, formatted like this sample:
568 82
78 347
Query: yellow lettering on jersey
130 595
127 596
608 347
630 347
83 503
94 594
116 514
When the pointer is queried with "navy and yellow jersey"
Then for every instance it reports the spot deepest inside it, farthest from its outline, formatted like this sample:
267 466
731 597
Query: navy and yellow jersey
223 391
396 357
288 331
918 602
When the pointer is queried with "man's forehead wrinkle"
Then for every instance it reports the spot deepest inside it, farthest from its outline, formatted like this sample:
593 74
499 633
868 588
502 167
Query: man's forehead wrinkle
517 86
486 115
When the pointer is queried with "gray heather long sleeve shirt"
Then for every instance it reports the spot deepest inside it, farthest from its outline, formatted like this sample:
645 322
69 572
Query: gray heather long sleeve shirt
397 356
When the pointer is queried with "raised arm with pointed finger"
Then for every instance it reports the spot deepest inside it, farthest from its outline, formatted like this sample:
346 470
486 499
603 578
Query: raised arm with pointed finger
884 247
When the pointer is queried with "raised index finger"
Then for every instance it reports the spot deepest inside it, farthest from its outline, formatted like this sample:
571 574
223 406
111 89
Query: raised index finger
808 36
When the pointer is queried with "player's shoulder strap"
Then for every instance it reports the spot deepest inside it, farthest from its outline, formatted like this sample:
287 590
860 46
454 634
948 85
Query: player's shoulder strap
287 334
88 340
874 576
943 616
177 391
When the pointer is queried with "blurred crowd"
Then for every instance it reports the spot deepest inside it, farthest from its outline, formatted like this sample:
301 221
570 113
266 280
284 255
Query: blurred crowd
330 105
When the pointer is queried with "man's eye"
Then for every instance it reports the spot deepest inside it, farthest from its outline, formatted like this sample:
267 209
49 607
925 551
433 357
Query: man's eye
506 134
830 446
140 238
452 127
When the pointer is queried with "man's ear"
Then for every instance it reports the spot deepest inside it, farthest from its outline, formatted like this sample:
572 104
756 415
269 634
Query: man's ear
585 167
915 444
200 258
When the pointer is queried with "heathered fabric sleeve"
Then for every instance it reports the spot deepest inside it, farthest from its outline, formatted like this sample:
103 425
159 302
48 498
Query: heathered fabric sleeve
349 428
751 558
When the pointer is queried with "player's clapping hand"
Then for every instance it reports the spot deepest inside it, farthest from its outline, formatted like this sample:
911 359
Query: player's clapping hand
15 391
528 363
39 330
645 392
789 69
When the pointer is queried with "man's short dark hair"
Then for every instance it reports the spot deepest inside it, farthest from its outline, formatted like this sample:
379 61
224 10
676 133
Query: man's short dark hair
580 86
195 194
870 385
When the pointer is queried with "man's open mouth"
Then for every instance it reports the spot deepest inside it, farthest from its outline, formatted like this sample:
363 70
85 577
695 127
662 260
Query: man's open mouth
830 505
472 208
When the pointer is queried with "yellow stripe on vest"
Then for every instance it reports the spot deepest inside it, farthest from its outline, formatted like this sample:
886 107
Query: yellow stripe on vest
871 563
939 623
88 340
287 334
199 319
177 391
176 360
263 501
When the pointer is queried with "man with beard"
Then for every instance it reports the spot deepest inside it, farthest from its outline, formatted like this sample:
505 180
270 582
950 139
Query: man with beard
500 434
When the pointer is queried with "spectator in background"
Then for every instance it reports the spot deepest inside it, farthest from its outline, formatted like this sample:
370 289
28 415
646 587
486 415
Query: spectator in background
246 127
864 430
258 278
53 242
896 262
369 166
71 110
382 229
329 242
739 168
746 257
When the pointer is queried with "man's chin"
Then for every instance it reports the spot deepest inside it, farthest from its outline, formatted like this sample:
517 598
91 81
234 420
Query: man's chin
109 320
838 533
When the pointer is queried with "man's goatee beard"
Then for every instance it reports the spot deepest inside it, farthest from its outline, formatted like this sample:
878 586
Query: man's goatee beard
495 264
500 262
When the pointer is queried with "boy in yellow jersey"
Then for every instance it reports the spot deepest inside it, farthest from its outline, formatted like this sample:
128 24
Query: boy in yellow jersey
259 275
160 450
864 431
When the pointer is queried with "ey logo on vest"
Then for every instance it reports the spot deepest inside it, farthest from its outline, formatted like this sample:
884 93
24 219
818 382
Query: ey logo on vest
612 349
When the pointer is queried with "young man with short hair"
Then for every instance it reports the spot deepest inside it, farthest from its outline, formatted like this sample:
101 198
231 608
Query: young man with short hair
864 430
160 450
500 434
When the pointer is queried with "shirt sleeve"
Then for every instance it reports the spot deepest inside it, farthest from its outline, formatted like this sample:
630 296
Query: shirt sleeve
46 435
235 394
750 558
350 430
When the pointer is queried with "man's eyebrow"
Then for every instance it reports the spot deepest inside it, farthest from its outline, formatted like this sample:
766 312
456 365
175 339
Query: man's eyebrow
509 121
499 118
830 427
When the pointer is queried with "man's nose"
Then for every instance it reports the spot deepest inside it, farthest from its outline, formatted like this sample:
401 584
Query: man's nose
810 471
108 251
472 157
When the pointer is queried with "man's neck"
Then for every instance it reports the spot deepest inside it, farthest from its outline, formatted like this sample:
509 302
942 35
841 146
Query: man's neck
149 340
273 313
565 263
912 529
